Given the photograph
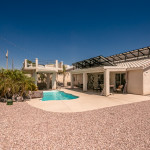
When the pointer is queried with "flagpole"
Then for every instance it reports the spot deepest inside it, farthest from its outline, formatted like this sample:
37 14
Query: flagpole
7 60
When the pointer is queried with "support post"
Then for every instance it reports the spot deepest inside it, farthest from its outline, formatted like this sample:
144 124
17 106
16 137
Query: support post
84 81
106 82
36 62
35 78
25 63
54 81
48 80
56 64
61 64
72 81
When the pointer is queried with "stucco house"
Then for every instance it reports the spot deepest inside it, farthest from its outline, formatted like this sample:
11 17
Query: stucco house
130 69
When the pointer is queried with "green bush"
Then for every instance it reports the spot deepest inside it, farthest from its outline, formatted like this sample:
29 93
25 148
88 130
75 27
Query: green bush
15 82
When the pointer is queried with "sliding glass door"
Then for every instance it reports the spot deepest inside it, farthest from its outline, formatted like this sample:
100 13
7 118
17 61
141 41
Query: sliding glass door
120 79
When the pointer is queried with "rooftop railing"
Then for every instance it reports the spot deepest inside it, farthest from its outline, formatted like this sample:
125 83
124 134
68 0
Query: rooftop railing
42 63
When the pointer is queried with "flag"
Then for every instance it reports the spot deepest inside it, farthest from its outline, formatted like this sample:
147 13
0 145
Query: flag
7 54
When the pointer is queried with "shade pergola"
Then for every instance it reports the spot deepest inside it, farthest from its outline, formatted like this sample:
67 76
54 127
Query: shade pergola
130 55
141 53
93 62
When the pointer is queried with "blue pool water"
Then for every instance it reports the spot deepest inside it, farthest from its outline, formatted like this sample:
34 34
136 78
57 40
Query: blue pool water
57 95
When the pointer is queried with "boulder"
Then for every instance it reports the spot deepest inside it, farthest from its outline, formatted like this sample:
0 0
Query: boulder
37 94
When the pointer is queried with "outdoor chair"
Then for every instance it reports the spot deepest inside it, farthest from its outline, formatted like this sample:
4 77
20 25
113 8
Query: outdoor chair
112 88
80 85
98 88
119 89
102 86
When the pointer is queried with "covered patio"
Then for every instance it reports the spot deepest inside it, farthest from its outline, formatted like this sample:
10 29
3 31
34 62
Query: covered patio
127 72
105 79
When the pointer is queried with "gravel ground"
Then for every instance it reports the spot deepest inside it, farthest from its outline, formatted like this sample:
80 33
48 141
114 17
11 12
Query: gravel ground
125 127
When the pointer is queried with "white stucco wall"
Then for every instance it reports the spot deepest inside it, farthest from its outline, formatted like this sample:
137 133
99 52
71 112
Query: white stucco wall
78 79
112 78
135 82
67 78
146 82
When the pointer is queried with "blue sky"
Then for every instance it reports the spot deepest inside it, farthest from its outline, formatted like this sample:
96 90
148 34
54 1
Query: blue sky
71 30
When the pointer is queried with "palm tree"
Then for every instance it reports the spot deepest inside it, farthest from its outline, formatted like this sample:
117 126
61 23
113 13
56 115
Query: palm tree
42 77
4 83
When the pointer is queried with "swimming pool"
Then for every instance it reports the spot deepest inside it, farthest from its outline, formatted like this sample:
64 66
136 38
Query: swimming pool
57 95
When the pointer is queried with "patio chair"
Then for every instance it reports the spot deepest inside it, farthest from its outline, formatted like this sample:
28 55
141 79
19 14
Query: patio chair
119 89
102 86
98 88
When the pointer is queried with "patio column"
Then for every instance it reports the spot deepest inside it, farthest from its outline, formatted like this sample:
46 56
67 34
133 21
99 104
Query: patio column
25 63
72 81
35 78
84 81
48 80
54 81
36 62
106 82
61 64
56 64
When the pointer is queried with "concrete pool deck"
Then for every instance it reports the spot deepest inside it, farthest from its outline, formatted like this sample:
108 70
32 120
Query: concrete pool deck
86 101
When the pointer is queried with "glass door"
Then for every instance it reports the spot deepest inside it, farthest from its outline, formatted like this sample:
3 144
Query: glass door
120 79
117 80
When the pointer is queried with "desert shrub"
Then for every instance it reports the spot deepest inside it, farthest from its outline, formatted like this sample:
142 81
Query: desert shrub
15 82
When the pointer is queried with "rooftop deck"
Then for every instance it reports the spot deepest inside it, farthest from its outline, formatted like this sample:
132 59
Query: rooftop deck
43 67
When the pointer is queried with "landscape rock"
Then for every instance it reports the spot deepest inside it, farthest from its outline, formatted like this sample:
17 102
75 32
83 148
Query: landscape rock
37 94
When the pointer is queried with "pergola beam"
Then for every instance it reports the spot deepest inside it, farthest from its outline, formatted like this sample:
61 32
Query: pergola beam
119 57
132 54
139 51
148 51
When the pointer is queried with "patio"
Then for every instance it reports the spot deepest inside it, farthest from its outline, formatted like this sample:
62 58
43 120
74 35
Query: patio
87 101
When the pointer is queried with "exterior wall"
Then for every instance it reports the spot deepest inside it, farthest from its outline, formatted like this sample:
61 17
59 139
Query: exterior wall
135 82
146 82
78 79
112 78
67 78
